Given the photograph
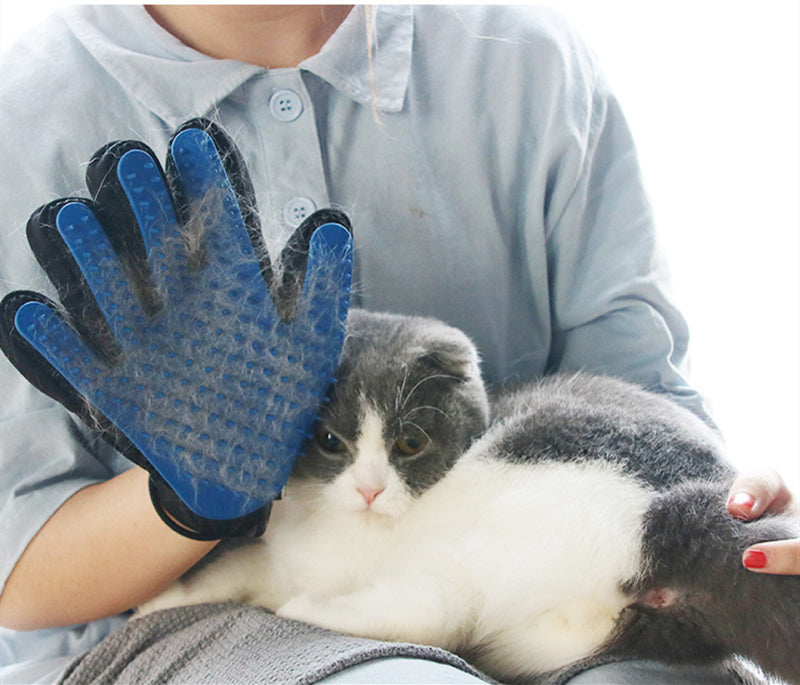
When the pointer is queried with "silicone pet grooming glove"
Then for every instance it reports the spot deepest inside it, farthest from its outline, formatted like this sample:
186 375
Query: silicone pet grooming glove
178 339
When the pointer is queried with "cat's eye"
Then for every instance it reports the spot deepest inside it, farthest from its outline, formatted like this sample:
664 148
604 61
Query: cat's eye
411 444
328 441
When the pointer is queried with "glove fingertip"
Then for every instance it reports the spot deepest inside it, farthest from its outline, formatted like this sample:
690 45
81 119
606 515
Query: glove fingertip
332 236
28 360
29 318
194 154
330 258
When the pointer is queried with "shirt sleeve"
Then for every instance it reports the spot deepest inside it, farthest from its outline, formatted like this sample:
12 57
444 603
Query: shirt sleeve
611 310
46 459
46 455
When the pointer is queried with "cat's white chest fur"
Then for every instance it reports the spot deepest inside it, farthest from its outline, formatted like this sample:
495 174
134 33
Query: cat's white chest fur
526 559
303 550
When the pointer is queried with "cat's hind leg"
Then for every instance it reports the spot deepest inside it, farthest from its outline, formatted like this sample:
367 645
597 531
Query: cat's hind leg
698 602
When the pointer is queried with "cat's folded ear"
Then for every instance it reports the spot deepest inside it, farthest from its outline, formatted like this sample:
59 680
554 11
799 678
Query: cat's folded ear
455 357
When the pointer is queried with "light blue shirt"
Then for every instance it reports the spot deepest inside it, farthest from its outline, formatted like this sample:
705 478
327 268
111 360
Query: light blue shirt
489 173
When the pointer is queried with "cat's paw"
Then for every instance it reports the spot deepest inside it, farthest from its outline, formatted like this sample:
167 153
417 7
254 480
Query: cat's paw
302 608
169 599
332 614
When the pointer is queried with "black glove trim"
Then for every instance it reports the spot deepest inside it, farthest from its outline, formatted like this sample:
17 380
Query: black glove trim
173 512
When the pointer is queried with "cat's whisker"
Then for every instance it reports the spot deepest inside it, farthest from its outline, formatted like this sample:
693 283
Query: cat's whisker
425 380
400 390
429 407
418 427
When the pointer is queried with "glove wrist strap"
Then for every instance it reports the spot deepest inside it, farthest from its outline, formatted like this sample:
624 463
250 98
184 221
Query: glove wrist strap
175 514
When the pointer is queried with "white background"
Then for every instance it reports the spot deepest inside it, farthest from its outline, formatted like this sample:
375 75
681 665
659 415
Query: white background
712 91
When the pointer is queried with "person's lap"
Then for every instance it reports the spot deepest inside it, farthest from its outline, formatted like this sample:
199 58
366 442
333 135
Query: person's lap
238 643
408 671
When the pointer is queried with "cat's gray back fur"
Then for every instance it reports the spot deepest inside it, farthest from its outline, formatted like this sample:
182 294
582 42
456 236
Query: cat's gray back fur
690 544
580 417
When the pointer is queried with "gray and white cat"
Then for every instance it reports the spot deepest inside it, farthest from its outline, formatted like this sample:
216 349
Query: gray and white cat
408 401
587 522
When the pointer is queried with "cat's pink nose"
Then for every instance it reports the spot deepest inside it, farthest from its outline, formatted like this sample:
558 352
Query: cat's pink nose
369 494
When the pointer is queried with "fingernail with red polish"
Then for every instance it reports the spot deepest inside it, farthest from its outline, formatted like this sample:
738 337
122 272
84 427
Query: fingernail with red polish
754 558
742 500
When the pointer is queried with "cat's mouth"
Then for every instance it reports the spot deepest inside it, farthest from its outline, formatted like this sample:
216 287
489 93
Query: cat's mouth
376 520
373 510
376 511
370 514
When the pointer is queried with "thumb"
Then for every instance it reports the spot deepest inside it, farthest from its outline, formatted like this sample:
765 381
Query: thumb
755 492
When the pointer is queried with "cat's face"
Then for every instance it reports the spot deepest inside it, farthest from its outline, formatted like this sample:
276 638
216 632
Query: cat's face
408 401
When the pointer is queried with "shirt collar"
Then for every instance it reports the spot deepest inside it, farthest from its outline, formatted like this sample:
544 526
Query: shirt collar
368 59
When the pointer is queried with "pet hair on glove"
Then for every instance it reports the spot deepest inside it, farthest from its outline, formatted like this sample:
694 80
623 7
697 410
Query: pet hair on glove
176 338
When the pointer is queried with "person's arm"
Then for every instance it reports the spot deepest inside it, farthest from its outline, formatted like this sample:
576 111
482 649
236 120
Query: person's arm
753 494
611 308
104 551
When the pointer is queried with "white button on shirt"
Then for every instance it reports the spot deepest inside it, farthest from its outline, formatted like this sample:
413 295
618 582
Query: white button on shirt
298 209
519 217
286 105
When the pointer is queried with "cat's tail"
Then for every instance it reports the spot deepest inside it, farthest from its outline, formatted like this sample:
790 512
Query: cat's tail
697 602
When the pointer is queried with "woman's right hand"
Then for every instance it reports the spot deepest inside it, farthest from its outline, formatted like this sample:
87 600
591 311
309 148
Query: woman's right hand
753 494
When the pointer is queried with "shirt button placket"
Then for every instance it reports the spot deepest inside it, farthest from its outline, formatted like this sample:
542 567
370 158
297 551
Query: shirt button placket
292 152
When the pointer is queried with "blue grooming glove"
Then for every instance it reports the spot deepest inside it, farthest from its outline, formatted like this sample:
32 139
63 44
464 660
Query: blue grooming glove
178 339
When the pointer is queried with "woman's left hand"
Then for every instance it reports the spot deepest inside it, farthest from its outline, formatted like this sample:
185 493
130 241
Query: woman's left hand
752 494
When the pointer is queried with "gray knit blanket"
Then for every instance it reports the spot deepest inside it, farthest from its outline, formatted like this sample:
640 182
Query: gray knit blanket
232 643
